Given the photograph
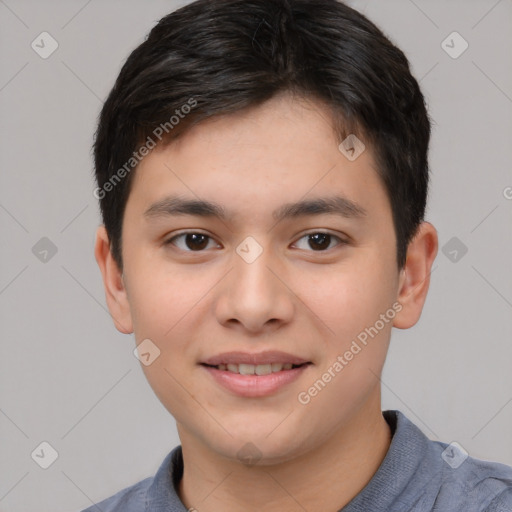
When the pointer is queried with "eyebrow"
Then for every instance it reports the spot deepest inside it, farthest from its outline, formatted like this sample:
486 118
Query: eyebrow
338 205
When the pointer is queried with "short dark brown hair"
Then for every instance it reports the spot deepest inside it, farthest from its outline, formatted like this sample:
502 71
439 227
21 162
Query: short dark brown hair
216 57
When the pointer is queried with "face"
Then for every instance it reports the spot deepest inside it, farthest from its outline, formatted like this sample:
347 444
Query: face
262 283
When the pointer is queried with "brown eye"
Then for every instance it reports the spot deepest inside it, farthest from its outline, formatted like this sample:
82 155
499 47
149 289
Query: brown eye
192 241
320 241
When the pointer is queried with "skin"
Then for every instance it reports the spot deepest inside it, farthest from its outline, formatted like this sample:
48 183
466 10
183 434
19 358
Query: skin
307 302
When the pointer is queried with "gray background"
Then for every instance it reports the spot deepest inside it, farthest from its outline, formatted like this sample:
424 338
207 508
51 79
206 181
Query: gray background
69 378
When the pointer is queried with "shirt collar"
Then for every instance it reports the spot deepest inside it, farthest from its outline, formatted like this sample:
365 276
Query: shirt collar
410 458
163 495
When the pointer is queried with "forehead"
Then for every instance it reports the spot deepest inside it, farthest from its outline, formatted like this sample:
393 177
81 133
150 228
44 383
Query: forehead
260 161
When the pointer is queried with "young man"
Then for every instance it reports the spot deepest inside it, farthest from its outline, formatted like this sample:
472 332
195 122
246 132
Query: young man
262 173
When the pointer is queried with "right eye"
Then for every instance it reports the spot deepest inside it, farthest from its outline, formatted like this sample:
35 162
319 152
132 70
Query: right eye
192 241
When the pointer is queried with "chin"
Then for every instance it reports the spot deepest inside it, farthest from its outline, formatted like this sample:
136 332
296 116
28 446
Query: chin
252 447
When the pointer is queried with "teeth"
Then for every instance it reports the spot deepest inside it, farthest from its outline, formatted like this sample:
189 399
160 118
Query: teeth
263 369
246 369
255 369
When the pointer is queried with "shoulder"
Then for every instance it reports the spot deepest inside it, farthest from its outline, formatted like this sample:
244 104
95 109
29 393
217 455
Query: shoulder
129 499
480 485
502 502
438 476
150 493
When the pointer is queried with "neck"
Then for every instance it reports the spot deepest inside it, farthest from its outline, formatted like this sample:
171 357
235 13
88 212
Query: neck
326 478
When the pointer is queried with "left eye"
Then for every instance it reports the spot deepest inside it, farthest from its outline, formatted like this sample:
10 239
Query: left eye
196 242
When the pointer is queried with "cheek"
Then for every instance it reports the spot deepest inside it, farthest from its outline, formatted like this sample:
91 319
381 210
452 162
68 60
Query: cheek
170 387
168 306
345 297
351 303
162 295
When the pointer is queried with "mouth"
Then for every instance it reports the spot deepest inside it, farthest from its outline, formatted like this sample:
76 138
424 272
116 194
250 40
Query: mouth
255 369
253 375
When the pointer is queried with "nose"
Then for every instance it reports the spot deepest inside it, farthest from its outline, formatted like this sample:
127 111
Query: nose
254 296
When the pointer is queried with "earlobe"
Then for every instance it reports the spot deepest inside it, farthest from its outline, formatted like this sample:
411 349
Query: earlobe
113 282
414 278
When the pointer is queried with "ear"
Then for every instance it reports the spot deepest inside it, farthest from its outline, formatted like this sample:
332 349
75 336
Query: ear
414 278
115 291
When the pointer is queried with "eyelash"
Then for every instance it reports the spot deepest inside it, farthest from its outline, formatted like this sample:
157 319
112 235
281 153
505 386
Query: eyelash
341 241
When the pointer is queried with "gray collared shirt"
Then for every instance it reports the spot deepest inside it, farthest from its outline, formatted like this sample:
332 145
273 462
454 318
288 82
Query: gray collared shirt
417 475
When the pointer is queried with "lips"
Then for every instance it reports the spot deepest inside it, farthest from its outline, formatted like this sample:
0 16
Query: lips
252 385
